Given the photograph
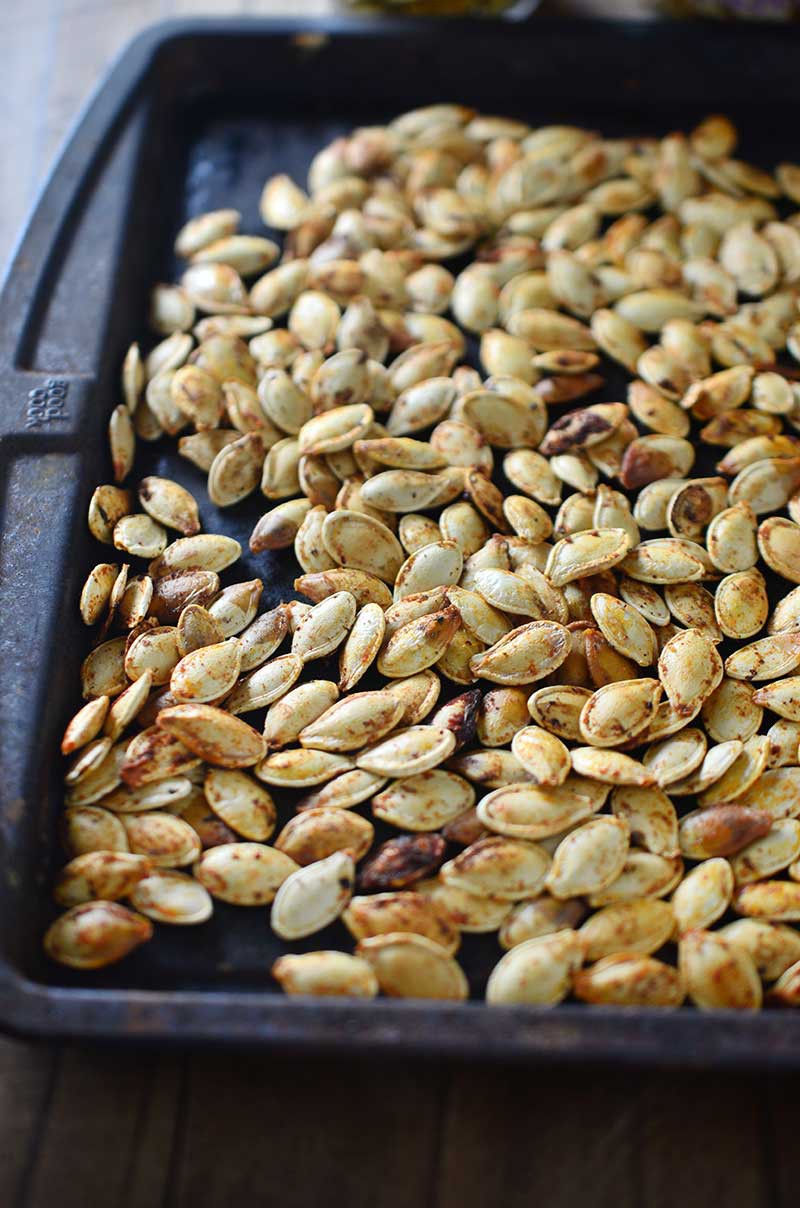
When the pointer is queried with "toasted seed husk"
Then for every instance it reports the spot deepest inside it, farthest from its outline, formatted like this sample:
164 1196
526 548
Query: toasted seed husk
627 979
244 874
625 628
731 712
134 603
413 966
536 971
703 895
408 912
241 803
609 767
198 630
104 875
784 741
418 694
278 528
673 758
650 816
772 946
170 504
471 913
644 875
690 669
175 591
777 901
589 859
167 841
87 760
557 708
765 659
294 710
325 627
95 934
524 655
312 897
359 542
349 724
344 790
100 779
424 802
157 794
415 531
153 754
776 849
401 862
419 643
664 560
213 735
204 552
641 926
645 600
779 546
127 705
692 606
435 565
585 554
365 588
317 833
541 916
718 973
619 711
236 470
325 974
168 896
542 754
520 809
715 764
721 830
155 650
85 725
140 536
96 592
301 768
103 671
741 775
498 867
785 613
266 684
781 697
502 712
408 752
361 646
741 604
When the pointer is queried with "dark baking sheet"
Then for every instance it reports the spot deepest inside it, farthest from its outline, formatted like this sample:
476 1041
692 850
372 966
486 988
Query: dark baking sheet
196 116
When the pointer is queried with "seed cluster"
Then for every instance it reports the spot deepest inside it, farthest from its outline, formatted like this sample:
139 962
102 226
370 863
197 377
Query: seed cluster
603 789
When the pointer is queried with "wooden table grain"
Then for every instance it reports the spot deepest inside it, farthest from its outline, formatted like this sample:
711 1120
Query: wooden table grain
82 1127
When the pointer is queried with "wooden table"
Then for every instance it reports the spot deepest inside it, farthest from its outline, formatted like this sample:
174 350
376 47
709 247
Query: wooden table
81 1127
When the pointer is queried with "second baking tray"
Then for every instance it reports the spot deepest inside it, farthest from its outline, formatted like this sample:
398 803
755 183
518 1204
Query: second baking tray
193 117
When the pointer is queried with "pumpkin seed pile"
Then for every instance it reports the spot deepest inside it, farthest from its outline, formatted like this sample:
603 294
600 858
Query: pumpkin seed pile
609 780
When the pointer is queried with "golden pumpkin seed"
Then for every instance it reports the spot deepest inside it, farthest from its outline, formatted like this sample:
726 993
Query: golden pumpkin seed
730 712
768 853
325 974
537 971
244 874
718 973
413 966
95 934
167 841
619 711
